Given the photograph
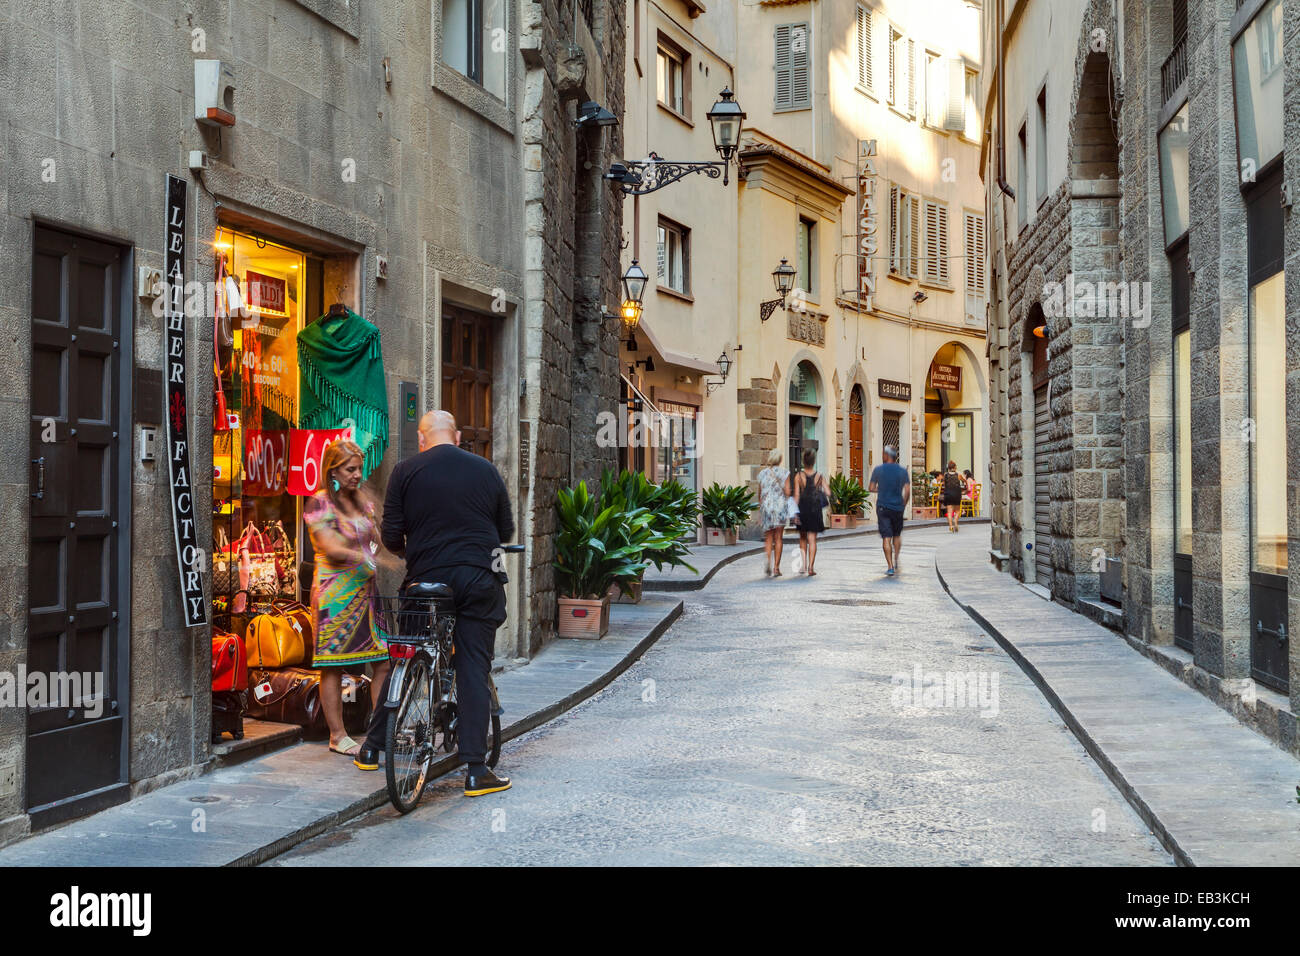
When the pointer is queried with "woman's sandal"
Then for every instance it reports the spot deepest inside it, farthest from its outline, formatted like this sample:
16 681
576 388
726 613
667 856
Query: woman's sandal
350 747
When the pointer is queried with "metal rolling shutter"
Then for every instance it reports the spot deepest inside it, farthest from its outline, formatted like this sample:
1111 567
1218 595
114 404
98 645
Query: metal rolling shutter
1042 507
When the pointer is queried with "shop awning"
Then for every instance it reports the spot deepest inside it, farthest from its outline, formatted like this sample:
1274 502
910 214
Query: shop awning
681 359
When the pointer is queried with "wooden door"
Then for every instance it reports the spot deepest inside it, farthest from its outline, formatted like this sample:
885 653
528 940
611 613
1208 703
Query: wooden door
75 745
468 348
856 408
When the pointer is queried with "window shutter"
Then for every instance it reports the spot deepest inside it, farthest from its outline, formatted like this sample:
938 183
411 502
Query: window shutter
893 68
936 242
911 78
800 65
864 48
913 229
880 54
793 87
895 231
955 114
783 66
975 280
934 89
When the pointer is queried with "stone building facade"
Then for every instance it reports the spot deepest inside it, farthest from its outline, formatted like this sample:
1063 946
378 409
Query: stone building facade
1172 453
429 177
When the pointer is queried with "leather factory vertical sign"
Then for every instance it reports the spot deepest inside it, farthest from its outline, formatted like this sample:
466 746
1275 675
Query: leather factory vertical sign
189 559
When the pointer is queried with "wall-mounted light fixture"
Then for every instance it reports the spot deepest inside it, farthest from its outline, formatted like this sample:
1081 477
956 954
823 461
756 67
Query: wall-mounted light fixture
783 278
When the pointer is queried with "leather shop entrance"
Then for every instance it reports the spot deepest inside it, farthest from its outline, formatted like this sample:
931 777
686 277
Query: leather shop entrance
295 368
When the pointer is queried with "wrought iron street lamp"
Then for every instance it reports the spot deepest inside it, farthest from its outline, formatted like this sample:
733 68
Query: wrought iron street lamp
783 277
634 280
638 177
724 367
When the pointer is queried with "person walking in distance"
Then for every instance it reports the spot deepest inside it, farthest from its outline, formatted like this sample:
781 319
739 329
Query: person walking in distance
893 489
773 510
953 485
447 511
812 494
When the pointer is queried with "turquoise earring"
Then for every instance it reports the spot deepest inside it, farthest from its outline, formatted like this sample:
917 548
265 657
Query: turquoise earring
334 484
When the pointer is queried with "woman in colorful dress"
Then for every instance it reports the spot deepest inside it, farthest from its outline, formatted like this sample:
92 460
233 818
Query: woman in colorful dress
342 525
773 494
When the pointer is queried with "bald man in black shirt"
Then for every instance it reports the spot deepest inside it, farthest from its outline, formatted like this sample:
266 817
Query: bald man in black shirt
447 512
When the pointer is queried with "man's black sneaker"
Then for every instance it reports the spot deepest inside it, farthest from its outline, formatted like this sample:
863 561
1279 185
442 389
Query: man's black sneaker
366 759
478 784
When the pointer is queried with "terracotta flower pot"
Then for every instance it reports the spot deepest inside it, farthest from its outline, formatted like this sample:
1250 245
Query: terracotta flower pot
583 619
843 521
618 597
721 535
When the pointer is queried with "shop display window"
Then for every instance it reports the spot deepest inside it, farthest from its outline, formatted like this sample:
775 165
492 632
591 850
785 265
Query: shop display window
260 307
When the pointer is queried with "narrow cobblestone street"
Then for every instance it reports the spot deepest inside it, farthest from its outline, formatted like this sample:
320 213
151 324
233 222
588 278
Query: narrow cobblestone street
767 727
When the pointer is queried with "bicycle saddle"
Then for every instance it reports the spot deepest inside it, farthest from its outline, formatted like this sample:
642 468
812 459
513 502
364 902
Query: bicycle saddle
437 592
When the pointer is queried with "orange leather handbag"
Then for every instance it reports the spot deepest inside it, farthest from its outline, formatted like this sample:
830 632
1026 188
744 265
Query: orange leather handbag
273 641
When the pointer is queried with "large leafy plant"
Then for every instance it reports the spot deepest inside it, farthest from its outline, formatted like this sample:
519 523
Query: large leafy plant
726 506
847 495
599 545
672 507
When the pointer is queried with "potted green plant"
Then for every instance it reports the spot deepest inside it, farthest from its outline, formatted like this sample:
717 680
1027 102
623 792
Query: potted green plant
673 511
724 508
847 499
922 494
598 547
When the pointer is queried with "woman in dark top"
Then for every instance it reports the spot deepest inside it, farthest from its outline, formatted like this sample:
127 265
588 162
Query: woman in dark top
812 494
952 485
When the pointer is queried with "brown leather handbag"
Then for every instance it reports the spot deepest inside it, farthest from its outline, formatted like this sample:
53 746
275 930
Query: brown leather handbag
274 641
292 696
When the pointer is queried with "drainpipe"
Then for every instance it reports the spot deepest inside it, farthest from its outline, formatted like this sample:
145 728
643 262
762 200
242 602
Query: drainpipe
1002 107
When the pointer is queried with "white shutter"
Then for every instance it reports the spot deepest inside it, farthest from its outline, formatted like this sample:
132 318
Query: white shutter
912 228
975 276
895 231
864 48
955 114
893 67
911 78
880 55
782 66
936 242
935 82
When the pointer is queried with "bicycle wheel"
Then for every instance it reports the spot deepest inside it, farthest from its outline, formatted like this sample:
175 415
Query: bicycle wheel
409 739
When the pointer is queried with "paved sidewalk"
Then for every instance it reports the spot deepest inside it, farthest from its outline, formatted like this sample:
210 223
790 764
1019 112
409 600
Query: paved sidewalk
248 813
707 559
1215 792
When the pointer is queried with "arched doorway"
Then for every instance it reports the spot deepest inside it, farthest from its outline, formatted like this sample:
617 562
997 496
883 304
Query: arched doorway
805 411
857 444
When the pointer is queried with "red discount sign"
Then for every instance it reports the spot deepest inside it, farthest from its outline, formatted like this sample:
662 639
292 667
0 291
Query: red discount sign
306 449
265 462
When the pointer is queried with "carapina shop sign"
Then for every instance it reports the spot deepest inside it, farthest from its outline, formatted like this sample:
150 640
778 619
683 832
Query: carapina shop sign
189 559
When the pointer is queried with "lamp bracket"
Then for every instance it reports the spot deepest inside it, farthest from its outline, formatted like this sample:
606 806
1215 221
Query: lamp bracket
646 176
765 309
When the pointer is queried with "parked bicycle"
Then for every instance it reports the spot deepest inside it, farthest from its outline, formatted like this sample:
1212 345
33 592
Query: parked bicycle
423 717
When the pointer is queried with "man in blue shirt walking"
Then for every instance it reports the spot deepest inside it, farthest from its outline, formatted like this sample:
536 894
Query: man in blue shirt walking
893 488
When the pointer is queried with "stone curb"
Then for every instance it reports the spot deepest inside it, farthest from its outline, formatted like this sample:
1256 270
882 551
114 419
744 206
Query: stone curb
697 584
1122 784
449 763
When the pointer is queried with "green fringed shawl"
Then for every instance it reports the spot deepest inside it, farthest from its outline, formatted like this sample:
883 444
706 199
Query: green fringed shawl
341 369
